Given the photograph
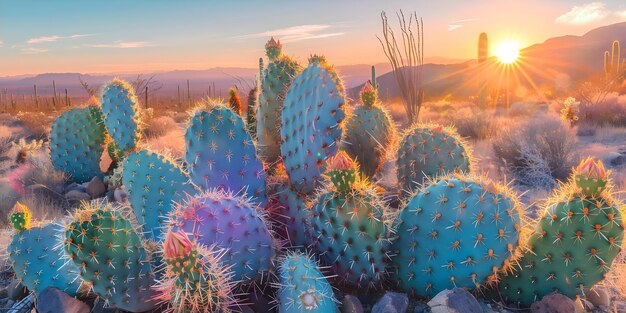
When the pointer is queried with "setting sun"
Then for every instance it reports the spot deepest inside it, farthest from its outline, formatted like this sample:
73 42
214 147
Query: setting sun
507 52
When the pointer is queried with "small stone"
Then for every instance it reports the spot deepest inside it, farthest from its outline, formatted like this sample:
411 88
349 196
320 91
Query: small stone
598 295
120 195
75 195
53 300
421 307
616 159
16 291
392 302
96 188
457 300
351 304
554 303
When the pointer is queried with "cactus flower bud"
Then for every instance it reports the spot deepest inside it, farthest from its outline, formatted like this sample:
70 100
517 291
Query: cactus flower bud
342 171
20 217
368 94
592 169
591 177
177 245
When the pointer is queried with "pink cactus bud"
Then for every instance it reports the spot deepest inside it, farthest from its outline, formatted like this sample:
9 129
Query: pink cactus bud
437 129
367 87
341 161
273 44
177 245
592 169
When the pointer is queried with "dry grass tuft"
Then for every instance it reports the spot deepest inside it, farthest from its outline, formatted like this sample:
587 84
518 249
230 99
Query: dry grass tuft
38 123
158 127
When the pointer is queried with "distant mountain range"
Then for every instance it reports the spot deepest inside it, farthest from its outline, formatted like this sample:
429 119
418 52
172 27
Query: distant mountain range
556 63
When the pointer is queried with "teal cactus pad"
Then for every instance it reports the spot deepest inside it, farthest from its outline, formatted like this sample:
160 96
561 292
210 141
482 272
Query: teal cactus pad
428 151
119 105
275 83
110 254
312 119
292 217
367 137
154 183
457 232
221 154
232 223
350 235
38 264
571 250
303 287
77 143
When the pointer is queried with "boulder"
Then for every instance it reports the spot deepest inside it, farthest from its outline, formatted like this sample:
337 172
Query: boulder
457 300
351 304
392 302
120 195
75 195
96 188
616 159
554 303
53 300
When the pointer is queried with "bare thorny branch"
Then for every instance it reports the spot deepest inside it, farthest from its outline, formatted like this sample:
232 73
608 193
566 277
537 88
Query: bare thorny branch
406 61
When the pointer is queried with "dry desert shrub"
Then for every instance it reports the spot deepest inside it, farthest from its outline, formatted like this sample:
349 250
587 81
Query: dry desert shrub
159 126
610 111
536 152
38 123
172 143
474 124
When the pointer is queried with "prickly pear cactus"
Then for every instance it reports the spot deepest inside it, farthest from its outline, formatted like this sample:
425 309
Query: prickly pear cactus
312 121
574 244
221 153
120 108
230 222
77 142
369 132
111 256
456 232
303 287
275 81
349 228
427 151
154 183
194 279
37 263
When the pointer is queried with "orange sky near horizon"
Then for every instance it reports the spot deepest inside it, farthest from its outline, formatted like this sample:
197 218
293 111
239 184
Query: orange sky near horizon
33 40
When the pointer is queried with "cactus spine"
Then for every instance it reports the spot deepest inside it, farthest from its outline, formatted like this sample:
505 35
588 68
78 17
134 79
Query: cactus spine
575 242
349 226
456 232
303 287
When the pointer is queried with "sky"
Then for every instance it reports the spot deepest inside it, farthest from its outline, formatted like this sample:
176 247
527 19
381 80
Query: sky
154 35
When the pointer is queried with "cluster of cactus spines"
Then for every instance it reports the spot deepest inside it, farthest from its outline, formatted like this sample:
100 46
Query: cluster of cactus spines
613 63
369 132
427 151
154 183
349 227
221 154
575 242
312 121
303 287
77 142
457 232
234 102
121 117
194 279
292 217
251 116
111 257
275 81
230 222
36 262
20 217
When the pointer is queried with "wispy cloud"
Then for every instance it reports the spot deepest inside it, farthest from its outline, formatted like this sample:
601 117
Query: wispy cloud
621 14
33 50
121 45
54 38
585 13
1 43
460 23
297 33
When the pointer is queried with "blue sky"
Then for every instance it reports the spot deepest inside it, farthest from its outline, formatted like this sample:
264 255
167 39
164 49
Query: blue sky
133 36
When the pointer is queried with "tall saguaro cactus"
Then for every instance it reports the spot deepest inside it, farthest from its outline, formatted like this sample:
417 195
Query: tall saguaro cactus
612 62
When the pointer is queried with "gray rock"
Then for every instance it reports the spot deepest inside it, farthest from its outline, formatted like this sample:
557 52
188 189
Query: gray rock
96 188
75 195
554 303
74 186
43 192
351 304
598 295
457 300
392 302
120 195
53 300
616 159
16 291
